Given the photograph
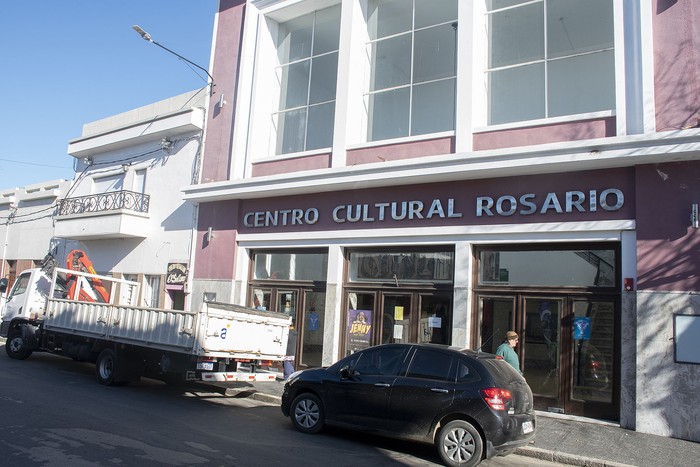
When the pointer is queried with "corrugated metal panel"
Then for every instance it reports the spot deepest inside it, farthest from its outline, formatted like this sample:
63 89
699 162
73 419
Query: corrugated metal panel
219 330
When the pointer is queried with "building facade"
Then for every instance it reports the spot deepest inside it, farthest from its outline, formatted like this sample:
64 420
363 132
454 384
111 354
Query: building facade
26 225
445 171
125 207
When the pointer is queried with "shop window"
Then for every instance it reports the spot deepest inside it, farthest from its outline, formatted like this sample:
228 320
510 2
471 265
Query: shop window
412 52
553 268
549 58
307 49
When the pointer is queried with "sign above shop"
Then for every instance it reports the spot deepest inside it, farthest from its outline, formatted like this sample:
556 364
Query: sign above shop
507 205
177 274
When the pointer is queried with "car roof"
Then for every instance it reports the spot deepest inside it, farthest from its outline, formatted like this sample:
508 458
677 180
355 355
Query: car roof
427 345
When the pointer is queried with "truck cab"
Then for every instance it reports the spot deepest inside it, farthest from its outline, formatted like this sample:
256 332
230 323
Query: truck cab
26 300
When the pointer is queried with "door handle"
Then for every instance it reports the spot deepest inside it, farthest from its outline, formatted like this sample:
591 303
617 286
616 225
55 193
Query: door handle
440 390
382 385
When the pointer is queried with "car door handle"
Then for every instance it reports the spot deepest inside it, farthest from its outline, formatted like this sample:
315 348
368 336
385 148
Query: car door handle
382 385
440 390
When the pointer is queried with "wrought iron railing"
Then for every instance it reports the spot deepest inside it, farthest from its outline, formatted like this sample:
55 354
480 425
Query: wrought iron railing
110 201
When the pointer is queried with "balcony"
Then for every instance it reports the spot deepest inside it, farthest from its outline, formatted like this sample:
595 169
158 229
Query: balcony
115 214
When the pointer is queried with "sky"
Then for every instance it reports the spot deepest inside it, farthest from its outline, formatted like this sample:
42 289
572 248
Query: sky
69 62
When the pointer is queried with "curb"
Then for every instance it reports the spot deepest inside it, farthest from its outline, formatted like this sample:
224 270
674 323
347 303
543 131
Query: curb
564 458
252 394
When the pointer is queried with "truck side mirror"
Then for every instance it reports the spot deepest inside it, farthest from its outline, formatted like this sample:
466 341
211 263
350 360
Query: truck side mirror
3 285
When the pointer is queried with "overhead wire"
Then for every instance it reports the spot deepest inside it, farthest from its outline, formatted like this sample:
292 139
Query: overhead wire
82 175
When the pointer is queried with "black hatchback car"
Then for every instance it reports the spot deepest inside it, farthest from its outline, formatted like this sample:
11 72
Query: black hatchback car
471 405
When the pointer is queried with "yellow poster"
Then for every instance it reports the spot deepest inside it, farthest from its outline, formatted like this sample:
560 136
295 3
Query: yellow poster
398 313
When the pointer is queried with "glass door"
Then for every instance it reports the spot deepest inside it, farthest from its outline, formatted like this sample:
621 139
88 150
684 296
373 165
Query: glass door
540 347
311 350
497 317
396 318
593 356
567 348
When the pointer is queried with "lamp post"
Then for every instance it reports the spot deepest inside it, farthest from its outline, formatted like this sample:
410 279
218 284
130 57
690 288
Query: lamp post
147 37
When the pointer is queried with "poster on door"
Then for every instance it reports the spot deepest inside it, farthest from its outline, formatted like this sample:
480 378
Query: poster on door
359 330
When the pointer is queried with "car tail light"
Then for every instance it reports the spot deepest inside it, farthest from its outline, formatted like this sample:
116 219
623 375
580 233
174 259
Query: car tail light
496 398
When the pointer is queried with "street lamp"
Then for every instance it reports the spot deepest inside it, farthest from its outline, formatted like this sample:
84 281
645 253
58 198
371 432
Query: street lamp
146 36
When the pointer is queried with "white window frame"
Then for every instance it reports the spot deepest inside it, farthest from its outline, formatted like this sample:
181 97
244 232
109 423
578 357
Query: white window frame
411 85
479 104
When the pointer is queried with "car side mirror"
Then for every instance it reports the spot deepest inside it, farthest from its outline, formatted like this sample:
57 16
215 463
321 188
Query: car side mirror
3 285
346 373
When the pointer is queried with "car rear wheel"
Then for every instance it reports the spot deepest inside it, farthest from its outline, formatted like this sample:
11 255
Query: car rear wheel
307 413
460 444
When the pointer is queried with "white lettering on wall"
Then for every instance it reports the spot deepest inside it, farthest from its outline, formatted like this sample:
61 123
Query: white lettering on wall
280 218
611 199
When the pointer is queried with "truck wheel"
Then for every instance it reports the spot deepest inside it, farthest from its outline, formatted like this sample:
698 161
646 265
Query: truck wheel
106 367
16 347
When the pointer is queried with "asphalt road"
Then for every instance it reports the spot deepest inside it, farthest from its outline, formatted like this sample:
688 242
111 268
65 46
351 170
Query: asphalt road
55 414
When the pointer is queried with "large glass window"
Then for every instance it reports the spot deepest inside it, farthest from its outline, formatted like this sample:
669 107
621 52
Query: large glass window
307 49
553 268
549 58
413 266
290 266
412 50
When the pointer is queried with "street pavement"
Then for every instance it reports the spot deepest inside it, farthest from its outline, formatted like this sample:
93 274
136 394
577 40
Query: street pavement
559 438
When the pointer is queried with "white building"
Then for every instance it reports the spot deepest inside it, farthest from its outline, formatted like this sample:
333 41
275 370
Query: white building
26 224
125 208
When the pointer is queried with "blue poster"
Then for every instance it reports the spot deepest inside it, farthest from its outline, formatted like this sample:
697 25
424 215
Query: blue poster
582 328
313 321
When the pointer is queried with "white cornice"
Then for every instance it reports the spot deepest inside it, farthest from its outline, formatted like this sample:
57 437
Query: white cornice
626 151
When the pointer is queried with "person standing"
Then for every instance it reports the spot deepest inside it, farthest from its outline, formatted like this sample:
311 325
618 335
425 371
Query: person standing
288 363
507 350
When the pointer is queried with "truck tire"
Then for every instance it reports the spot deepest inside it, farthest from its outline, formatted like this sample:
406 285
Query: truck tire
16 346
106 368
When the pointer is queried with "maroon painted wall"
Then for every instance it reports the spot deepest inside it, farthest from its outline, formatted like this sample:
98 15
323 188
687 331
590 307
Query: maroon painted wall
668 248
393 152
676 29
220 120
215 259
296 164
552 133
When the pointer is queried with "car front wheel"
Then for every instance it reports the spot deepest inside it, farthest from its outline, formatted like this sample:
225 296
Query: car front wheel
307 413
460 444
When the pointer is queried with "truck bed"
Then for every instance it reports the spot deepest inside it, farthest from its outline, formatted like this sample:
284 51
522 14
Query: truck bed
217 330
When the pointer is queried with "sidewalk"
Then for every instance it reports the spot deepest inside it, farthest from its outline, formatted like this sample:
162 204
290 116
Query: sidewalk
560 438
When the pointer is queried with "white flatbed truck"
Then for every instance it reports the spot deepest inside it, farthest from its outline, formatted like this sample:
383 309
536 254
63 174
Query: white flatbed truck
126 342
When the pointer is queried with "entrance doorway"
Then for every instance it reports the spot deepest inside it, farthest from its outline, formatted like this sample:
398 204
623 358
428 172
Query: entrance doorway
567 347
382 317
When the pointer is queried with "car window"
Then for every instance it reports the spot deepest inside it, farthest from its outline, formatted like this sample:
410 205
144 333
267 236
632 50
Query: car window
467 374
384 361
429 364
20 285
